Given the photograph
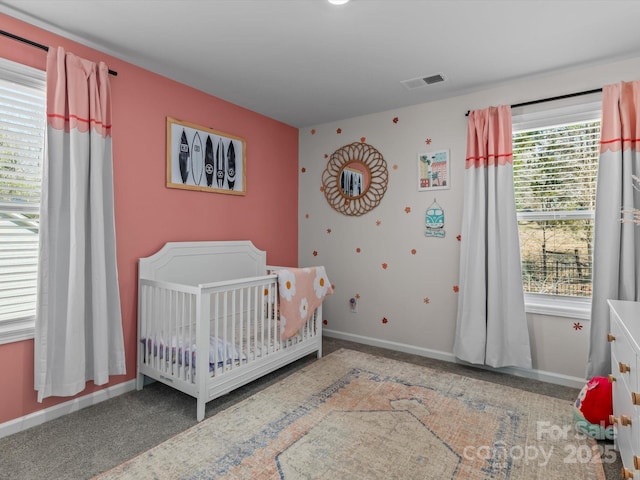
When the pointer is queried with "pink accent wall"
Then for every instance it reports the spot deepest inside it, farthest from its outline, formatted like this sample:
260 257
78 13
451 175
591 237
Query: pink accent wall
148 214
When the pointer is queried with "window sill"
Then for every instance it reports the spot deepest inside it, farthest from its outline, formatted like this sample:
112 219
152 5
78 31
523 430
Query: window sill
558 306
17 330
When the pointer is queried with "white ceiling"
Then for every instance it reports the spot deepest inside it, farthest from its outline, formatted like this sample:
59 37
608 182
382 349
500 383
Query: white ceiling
306 62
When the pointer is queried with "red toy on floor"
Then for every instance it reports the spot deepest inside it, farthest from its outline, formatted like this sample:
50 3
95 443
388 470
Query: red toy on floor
592 409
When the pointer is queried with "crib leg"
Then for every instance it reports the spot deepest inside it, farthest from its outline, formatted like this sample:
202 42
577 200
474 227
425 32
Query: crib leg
139 381
200 409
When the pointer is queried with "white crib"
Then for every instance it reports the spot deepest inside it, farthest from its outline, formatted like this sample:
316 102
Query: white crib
216 298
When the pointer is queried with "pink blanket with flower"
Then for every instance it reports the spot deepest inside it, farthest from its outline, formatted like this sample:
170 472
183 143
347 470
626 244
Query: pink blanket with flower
301 291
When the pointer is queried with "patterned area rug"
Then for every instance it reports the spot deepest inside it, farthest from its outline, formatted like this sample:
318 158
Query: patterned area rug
357 416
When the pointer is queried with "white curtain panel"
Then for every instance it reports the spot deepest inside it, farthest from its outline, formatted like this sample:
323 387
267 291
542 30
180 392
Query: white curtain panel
491 327
616 247
78 326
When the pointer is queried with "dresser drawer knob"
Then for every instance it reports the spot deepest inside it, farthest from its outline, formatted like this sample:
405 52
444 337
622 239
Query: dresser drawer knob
623 420
635 398
611 378
610 337
626 473
624 368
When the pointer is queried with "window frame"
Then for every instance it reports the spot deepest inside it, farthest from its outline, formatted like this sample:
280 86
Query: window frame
15 330
576 109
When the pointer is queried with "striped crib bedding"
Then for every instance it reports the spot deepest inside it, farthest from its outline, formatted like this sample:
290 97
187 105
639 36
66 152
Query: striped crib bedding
222 353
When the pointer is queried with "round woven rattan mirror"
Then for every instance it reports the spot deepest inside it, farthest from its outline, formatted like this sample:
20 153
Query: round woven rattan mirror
355 179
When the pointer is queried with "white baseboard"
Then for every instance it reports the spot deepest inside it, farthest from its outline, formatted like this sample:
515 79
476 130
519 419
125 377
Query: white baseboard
42 416
549 377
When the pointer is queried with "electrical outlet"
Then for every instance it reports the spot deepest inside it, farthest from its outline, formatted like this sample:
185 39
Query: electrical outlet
354 305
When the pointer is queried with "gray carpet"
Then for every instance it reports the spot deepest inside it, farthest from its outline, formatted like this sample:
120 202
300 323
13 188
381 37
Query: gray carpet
103 436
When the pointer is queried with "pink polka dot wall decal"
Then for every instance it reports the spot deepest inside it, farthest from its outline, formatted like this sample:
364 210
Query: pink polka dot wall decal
395 167
303 170
407 209
358 250
315 253
426 300
456 288
413 251
385 320
428 141
363 139
339 131
395 119
378 223
385 266
328 230
313 131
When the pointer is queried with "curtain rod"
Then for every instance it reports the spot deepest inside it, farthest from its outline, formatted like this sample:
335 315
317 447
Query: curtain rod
37 45
550 99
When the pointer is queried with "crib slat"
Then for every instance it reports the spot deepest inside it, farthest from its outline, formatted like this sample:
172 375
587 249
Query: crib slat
216 331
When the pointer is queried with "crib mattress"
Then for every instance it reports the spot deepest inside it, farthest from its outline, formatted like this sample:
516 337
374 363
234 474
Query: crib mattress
222 353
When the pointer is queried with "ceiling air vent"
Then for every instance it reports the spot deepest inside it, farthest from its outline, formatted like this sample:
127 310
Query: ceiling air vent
423 81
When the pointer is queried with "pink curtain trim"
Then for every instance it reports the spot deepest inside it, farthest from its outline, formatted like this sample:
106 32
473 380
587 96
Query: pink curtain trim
499 159
78 93
618 144
620 122
489 139
60 122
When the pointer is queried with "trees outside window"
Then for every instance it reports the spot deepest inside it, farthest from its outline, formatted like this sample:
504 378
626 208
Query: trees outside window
555 170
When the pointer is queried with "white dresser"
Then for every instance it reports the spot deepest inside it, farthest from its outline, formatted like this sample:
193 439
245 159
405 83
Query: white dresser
625 376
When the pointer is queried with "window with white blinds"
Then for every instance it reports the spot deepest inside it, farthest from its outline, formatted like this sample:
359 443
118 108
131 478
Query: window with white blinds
555 169
22 131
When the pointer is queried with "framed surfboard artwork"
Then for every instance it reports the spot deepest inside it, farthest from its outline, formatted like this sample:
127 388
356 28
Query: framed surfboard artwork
203 159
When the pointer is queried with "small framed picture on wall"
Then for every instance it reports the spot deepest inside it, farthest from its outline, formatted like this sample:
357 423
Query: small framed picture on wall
433 171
